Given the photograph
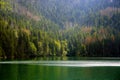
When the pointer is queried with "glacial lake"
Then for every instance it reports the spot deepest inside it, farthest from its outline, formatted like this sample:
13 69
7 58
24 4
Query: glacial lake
61 69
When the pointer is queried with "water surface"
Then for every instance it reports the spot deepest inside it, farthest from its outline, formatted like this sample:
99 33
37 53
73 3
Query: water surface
60 69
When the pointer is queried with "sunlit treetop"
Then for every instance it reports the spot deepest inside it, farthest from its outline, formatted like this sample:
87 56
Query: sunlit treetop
5 5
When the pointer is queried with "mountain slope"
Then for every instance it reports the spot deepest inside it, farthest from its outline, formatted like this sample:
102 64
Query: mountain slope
72 12
59 28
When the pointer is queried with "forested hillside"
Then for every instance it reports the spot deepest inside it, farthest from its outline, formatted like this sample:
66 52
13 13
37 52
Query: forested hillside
30 28
68 13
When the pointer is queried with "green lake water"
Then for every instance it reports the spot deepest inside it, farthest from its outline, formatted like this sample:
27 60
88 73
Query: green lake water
64 69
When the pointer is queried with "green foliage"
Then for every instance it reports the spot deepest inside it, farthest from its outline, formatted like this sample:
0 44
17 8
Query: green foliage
64 48
4 5
33 48
86 33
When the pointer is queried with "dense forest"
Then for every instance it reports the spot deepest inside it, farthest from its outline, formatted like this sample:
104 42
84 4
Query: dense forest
85 28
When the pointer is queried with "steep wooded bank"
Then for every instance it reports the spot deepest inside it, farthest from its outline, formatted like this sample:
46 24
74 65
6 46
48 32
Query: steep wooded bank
31 28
